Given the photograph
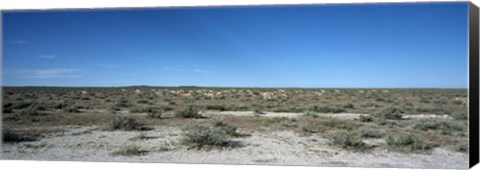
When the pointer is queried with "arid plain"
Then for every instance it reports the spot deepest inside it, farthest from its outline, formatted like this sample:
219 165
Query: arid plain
421 128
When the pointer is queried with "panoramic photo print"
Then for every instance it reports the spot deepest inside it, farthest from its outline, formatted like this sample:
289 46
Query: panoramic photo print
352 85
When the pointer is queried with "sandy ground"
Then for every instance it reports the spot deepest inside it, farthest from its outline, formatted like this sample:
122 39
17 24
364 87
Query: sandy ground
329 115
274 148
262 146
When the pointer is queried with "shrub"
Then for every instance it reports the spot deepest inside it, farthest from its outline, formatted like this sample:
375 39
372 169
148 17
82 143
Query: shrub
157 115
114 109
326 109
11 136
307 129
198 136
389 113
122 102
438 111
346 139
370 134
348 106
445 127
339 124
30 111
7 107
130 150
369 104
143 101
21 104
460 115
189 112
258 112
461 147
280 119
215 107
310 114
227 128
457 102
124 123
415 142
363 118
71 109
152 112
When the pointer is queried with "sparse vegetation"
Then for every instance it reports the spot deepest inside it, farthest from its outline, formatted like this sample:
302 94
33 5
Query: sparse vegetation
11 136
130 150
339 124
71 109
414 142
390 113
417 115
122 102
363 118
311 114
370 133
227 128
346 140
123 123
462 147
189 112
460 114
199 136
325 109
446 128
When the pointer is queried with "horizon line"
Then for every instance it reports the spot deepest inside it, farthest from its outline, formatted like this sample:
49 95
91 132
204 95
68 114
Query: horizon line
250 87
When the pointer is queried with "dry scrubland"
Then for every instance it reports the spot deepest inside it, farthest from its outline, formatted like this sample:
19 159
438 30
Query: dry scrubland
322 127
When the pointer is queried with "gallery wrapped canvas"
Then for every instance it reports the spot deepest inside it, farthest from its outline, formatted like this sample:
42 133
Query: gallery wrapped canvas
392 85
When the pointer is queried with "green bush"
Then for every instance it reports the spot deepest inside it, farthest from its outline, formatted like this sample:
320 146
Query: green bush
346 139
363 118
227 128
123 123
216 107
71 109
413 141
258 112
339 124
348 106
389 113
325 109
370 133
21 104
122 102
7 107
200 136
445 127
152 112
189 112
310 114
143 101
11 136
280 120
130 150
462 147
30 111
460 115
156 115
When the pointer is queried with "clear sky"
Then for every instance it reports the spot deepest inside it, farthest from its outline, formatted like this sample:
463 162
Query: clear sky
387 45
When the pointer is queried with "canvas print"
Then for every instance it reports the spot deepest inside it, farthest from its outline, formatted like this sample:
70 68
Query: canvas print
350 85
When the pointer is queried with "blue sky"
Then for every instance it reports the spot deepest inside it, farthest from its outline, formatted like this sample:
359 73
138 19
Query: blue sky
375 45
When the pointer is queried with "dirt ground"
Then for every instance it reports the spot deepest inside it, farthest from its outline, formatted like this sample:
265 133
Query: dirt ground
90 143
401 128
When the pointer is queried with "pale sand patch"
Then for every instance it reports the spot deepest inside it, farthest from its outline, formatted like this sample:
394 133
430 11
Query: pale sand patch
328 115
